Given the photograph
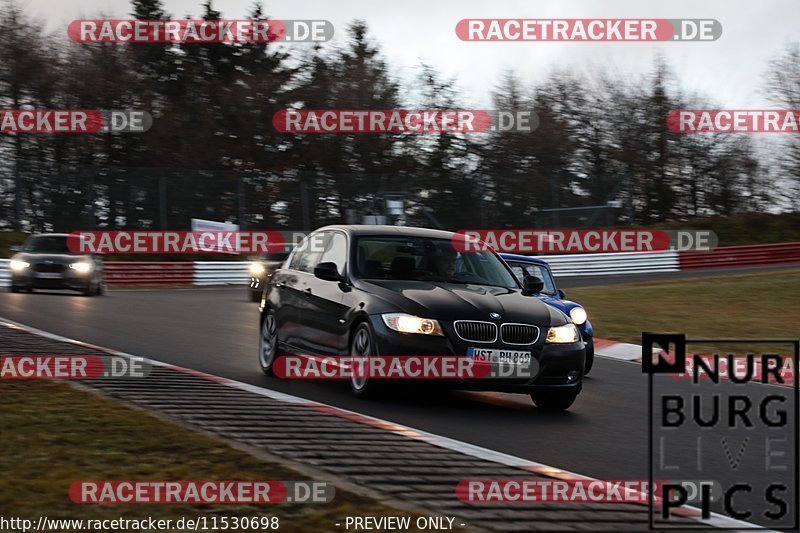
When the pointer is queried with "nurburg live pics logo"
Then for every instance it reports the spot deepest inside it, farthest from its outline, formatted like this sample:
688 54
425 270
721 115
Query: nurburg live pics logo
734 421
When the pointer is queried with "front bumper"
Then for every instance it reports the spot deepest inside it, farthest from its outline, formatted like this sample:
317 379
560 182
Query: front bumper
28 279
555 361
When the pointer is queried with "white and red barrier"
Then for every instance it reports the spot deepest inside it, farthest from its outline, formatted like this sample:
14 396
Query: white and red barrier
205 273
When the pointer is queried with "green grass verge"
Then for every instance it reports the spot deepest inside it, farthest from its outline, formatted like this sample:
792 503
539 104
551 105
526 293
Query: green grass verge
53 435
750 305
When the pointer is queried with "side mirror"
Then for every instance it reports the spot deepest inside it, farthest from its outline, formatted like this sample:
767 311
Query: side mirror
560 294
16 248
532 284
327 271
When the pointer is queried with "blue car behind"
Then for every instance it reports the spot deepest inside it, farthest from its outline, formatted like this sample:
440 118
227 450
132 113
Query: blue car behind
550 294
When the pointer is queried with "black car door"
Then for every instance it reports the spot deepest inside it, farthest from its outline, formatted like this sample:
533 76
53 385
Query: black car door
323 319
291 284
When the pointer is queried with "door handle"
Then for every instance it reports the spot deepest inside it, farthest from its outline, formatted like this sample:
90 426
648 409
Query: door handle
278 284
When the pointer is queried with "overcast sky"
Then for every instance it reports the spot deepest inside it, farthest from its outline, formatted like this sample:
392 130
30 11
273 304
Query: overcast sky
730 70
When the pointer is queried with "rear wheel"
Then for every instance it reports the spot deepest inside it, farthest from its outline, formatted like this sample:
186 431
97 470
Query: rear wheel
554 400
362 345
268 343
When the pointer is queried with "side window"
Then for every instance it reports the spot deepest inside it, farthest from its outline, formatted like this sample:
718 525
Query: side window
335 251
306 255
517 270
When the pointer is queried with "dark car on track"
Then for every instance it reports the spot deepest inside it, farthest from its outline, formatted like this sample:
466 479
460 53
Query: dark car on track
524 266
46 262
387 290
260 269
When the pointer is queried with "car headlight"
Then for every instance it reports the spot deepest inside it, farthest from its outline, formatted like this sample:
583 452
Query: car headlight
17 265
256 269
578 315
81 268
412 324
566 334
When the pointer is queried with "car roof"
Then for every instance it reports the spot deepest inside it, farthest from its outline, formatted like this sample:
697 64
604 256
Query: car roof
357 230
526 258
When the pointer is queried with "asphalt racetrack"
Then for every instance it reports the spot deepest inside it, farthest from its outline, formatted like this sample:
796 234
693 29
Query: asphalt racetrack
604 435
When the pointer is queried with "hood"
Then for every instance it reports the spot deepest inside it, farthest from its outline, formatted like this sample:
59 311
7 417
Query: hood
451 301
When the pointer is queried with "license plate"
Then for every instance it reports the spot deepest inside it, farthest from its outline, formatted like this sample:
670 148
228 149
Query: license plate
492 355
49 275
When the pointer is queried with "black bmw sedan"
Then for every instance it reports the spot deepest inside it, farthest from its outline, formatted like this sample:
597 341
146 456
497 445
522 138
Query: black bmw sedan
46 262
372 291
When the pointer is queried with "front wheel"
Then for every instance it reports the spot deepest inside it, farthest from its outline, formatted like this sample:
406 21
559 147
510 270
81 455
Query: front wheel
362 345
554 400
268 343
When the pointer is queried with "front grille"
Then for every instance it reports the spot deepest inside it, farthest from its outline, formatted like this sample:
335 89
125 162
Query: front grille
519 333
41 267
474 331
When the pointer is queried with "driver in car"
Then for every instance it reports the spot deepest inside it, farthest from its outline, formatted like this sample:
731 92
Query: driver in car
445 262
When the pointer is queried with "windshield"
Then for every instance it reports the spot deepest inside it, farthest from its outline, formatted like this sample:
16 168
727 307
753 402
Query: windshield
49 244
426 259
532 269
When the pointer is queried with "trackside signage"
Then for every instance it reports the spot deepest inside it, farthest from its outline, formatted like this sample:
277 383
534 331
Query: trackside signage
733 418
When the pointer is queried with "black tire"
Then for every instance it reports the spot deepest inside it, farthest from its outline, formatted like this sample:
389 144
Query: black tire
268 343
554 400
255 296
14 288
587 366
101 288
362 344
89 290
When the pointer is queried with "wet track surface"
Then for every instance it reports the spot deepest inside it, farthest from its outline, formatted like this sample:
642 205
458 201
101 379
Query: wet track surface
604 435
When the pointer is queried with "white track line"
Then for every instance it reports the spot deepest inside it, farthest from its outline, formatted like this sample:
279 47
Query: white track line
716 520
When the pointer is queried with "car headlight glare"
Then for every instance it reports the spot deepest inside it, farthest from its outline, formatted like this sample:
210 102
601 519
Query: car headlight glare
256 269
82 267
412 324
17 265
578 315
566 334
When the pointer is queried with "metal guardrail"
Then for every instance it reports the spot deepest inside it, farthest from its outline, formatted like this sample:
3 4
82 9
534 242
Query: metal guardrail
221 273
206 273
612 264
5 274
